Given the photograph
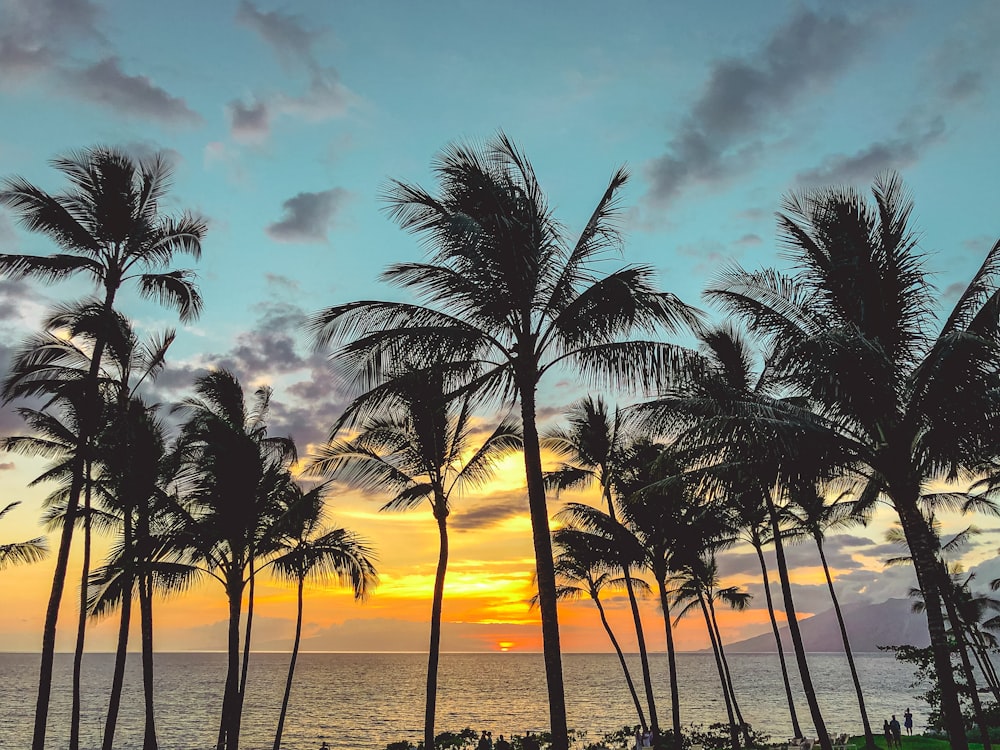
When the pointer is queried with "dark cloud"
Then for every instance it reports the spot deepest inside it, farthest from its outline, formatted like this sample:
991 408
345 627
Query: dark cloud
495 510
720 135
34 35
308 216
979 245
749 239
107 84
952 292
249 123
964 85
6 466
893 153
284 33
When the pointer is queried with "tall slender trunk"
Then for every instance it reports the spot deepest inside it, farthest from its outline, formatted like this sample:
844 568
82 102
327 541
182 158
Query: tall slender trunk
621 659
434 649
958 629
744 727
114 701
647 678
734 731
52 611
925 565
81 626
544 567
65 541
234 592
869 737
291 665
237 717
146 627
675 694
796 729
793 628
979 650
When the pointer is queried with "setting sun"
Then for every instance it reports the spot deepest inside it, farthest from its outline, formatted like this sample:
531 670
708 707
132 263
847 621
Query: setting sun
505 645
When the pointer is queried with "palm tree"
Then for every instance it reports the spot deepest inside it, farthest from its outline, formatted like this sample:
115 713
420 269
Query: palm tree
418 445
583 568
596 448
851 330
814 516
21 553
108 227
509 296
308 551
697 585
230 470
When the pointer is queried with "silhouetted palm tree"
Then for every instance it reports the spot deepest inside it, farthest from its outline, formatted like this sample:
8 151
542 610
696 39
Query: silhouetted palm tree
307 551
851 330
596 450
813 515
230 467
21 553
108 227
420 445
509 296
584 565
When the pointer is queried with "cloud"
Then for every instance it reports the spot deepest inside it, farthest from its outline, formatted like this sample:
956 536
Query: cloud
749 239
284 33
721 133
498 509
6 466
105 83
895 153
249 123
308 216
36 33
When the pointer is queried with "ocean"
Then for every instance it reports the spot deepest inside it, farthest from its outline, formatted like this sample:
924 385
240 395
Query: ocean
365 701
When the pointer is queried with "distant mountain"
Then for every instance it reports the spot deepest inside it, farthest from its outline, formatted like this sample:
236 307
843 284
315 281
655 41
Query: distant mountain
891 623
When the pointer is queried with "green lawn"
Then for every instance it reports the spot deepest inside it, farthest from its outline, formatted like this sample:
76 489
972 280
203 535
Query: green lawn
915 742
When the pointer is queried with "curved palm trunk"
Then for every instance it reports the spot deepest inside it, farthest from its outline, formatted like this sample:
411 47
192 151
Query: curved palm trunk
729 677
114 701
675 695
65 541
291 666
434 649
237 717
81 626
544 567
793 629
925 565
647 677
734 732
796 730
146 626
869 737
52 611
234 591
980 652
958 628
621 659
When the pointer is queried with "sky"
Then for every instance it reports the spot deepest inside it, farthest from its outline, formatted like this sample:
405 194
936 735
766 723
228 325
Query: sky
285 123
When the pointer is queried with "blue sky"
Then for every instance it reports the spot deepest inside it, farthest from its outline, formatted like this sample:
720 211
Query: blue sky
285 121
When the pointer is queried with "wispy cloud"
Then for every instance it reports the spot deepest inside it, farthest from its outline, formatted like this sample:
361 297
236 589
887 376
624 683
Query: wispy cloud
724 131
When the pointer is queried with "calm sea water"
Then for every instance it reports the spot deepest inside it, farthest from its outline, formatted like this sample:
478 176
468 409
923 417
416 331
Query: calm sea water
365 701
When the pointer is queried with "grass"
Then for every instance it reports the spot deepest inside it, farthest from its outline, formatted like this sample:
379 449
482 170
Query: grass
916 742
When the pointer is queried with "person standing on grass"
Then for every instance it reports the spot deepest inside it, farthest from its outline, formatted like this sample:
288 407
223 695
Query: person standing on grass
908 722
897 732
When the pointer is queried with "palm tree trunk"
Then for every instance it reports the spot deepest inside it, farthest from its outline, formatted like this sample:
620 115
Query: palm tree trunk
621 659
729 677
544 567
81 626
237 716
118 679
647 677
434 649
979 650
52 609
869 737
146 625
675 694
796 729
291 666
925 565
234 592
793 628
734 732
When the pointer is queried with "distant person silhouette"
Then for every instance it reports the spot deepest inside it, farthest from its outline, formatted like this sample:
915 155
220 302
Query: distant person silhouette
908 722
485 743
897 732
324 746
887 730
502 744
